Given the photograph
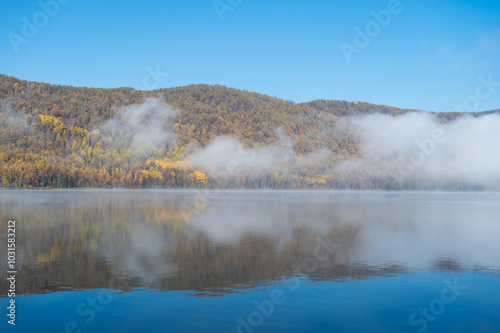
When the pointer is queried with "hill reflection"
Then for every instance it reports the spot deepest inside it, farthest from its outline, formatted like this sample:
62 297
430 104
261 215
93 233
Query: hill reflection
236 240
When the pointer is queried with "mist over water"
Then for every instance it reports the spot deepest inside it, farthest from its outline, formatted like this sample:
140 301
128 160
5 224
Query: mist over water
414 149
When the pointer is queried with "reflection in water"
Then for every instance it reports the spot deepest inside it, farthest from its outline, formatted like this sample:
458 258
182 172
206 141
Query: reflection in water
240 239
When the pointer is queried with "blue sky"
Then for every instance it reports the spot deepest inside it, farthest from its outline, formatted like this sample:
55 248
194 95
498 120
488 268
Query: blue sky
429 55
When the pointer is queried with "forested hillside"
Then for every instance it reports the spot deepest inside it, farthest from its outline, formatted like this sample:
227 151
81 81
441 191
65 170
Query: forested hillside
54 136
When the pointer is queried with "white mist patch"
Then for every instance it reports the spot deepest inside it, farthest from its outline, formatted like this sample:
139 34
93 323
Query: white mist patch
149 122
417 146
229 155
10 117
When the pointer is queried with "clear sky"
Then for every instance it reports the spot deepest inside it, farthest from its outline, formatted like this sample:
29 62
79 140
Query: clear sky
427 55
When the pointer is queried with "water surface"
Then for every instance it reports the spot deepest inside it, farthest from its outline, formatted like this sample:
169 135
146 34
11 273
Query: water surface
254 261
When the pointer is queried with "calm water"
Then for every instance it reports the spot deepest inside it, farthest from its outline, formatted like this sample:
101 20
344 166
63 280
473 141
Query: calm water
253 261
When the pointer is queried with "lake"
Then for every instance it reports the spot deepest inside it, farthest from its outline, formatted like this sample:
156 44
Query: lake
252 261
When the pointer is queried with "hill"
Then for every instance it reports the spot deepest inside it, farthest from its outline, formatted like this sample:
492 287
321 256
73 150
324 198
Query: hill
64 136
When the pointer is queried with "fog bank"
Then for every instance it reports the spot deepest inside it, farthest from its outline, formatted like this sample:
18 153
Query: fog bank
417 146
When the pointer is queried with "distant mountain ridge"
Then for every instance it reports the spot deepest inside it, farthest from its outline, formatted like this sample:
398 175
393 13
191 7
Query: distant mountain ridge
336 107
